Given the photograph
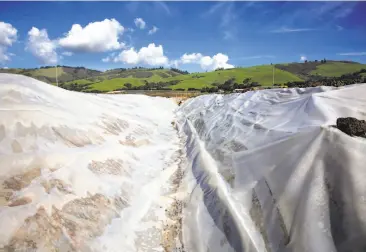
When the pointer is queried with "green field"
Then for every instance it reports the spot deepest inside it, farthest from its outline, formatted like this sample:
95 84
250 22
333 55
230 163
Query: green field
261 74
116 78
113 84
48 72
336 69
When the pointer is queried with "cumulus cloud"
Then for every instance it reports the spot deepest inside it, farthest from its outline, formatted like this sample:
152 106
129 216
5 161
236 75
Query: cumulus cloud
8 35
3 55
41 46
140 23
303 58
67 53
206 62
175 63
153 30
97 36
151 55
190 58
217 61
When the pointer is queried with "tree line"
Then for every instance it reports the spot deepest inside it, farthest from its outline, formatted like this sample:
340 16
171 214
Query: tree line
149 85
230 85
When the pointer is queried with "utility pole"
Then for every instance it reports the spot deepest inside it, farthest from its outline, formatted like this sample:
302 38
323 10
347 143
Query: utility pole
56 76
273 76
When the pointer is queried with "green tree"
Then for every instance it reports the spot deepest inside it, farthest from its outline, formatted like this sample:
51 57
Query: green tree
128 85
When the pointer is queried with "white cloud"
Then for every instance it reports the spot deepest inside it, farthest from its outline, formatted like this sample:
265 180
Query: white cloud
190 58
303 58
339 28
353 54
98 36
206 62
67 53
3 55
41 46
151 55
5 67
8 35
217 61
140 23
153 30
174 63
287 30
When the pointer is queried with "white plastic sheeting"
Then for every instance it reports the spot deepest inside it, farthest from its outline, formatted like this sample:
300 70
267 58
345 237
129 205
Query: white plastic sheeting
83 172
264 171
269 172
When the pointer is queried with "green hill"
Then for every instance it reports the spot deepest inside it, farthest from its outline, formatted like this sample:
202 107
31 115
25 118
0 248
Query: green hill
336 69
316 69
48 74
261 74
83 79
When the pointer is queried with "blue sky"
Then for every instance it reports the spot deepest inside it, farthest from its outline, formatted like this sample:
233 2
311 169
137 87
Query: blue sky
195 36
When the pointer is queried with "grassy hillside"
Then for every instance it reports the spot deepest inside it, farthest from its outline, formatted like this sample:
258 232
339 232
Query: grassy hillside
316 69
113 84
47 72
336 69
261 74
115 79
175 79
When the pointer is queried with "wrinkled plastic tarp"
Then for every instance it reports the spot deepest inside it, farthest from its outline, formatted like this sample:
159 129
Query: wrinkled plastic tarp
269 171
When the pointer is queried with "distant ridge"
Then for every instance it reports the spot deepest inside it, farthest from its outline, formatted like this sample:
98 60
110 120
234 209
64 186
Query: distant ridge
85 79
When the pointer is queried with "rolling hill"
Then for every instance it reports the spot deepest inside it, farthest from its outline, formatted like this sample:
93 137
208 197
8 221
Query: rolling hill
172 78
308 70
48 74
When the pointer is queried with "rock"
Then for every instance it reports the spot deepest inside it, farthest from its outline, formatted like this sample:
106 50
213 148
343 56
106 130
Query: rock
352 126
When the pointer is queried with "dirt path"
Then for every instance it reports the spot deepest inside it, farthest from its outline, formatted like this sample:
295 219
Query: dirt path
172 229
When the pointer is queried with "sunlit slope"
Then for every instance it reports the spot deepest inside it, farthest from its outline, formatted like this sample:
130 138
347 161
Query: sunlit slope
112 80
337 69
260 74
64 73
329 68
